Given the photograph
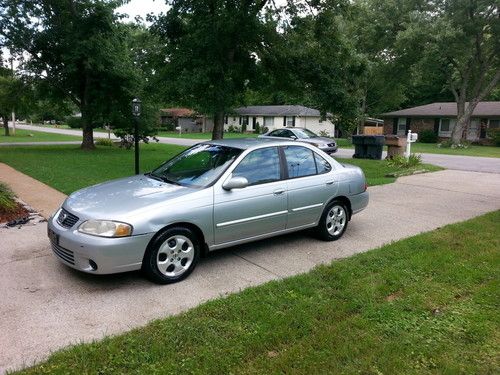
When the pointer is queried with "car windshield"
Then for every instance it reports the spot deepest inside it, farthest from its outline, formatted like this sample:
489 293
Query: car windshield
304 133
199 166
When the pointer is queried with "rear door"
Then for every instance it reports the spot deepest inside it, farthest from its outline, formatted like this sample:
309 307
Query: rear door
258 209
310 184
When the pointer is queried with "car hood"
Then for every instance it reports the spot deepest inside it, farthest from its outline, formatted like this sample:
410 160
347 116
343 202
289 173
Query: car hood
120 197
318 140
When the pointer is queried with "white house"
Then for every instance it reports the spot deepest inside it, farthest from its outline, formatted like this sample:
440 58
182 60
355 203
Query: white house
279 116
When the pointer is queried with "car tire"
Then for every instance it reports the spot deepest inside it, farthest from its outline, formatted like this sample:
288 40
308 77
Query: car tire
171 256
333 222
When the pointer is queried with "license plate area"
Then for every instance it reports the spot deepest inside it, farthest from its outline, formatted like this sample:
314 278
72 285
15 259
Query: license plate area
53 236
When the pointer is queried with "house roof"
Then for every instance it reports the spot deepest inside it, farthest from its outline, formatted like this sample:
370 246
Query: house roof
178 112
447 109
277 110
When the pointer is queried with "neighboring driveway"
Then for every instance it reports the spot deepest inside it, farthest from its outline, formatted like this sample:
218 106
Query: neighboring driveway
458 162
46 306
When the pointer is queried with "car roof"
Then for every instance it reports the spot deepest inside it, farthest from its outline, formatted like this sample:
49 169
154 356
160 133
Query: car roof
248 143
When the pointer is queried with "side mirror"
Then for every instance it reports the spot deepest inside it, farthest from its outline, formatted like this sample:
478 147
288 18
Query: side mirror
235 183
294 137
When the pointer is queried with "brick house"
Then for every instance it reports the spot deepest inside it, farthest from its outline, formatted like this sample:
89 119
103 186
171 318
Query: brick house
441 118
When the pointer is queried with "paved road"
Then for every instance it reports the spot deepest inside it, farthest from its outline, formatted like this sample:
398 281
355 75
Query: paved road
46 306
458 162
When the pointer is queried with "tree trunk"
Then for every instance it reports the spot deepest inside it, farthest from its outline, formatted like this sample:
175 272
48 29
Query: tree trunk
6 125
464 115
88 132
218 131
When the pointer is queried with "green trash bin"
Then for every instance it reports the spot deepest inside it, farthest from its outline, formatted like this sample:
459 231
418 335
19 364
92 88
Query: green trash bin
360 149
368 146
374 146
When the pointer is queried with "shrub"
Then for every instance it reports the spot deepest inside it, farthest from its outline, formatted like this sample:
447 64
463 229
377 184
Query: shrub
494 134
7 202
74 122
104 142
400 161
265 130
449 144
427 136
233 129
324 133
244 127
257 128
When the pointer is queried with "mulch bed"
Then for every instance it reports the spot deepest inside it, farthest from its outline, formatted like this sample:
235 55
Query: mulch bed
19 212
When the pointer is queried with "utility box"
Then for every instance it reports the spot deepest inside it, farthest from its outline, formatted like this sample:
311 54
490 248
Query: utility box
368 146
395 145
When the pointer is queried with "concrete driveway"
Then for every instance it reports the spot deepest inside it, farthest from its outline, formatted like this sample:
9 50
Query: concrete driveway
46 306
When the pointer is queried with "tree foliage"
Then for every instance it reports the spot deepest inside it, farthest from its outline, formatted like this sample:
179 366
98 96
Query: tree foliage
76 46
211 52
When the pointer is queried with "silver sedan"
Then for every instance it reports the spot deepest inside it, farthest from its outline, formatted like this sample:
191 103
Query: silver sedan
211 196
325 144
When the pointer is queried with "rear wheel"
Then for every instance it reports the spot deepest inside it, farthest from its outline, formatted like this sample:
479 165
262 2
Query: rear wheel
333 222
172 256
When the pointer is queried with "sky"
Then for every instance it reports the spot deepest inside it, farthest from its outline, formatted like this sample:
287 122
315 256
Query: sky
142 8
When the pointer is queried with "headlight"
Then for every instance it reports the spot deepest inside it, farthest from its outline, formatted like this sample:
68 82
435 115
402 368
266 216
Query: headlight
321 145
105 228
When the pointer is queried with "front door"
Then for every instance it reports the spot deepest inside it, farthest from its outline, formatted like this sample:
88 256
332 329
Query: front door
258 209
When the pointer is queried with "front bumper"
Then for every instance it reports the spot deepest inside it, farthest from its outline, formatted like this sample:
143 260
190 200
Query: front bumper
329 150
83 252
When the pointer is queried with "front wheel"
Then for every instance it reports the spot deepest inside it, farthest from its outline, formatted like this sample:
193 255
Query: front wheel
333 222
172 256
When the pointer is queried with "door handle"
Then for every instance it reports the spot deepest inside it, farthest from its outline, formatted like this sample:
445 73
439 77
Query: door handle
279 191
330 182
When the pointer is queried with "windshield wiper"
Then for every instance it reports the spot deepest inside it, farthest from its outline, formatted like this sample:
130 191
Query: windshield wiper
153 176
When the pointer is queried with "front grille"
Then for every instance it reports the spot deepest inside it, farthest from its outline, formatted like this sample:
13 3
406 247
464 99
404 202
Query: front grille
66 219
64 254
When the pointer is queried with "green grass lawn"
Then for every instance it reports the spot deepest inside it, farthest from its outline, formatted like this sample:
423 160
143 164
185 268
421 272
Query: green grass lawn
425 305
376 170
432 148
473 150
35 136
68 168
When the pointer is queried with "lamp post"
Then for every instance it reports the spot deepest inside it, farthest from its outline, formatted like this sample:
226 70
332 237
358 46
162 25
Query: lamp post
136 111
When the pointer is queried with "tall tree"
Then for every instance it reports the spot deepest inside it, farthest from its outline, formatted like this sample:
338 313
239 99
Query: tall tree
15 95
77 46
211 52
460 40
311 61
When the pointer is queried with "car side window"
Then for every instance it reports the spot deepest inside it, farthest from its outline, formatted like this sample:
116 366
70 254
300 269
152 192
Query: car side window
260 166
288 134
277 133
299 161
322 165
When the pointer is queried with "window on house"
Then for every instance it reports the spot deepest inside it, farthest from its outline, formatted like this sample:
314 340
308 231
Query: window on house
269 122
494 124
445 125
402 125
289 121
